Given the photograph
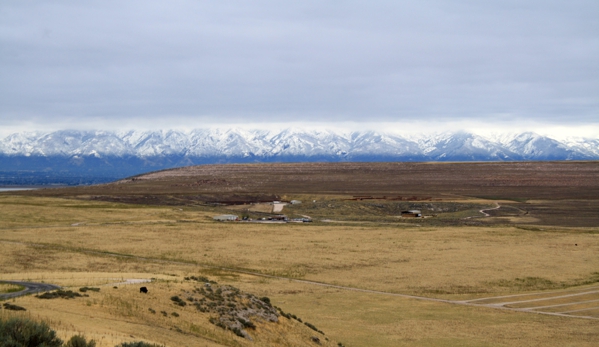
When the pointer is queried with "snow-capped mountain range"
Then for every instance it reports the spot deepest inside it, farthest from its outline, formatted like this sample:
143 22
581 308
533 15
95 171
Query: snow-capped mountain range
132 152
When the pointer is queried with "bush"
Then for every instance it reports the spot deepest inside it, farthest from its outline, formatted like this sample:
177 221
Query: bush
246 323
237 332
79 341
69 294
23 332
177 300
138 344
12 307
17 332
311 326
85 289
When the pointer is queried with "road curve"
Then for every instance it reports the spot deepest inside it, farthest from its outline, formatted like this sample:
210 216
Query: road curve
30 288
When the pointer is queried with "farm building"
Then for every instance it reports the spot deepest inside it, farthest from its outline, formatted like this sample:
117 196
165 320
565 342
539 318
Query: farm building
226 218
411 213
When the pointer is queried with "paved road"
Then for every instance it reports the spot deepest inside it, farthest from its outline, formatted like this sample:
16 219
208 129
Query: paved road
30 288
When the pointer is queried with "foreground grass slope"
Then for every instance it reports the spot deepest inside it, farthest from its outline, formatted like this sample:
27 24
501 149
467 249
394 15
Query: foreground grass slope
77 243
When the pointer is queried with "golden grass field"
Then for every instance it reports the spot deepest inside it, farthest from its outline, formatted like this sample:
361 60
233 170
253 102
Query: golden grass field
76 243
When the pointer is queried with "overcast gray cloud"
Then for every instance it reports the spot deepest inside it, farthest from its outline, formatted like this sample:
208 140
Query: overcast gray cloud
111 63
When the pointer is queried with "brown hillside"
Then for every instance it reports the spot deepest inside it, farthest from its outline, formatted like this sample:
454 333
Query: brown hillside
516 180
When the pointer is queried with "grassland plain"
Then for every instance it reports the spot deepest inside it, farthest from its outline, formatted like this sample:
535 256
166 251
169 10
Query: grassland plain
538 193
94 243
517 180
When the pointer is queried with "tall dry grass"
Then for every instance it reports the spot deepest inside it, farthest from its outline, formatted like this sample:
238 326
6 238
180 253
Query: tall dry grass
460 263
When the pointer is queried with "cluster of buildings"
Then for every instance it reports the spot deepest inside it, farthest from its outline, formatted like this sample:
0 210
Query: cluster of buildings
275 218
280 218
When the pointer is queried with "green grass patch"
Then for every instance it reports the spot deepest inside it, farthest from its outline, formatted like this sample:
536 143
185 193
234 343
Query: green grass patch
6 288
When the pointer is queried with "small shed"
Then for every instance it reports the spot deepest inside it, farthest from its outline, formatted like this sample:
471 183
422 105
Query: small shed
226 218
411 213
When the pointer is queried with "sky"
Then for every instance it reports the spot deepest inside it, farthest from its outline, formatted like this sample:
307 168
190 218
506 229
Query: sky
405 65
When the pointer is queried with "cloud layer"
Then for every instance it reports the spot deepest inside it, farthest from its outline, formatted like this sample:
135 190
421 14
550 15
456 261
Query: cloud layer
173 64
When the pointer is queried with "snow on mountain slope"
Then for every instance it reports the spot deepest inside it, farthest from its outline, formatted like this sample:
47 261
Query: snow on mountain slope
297 143
589 147
537 147
227 143
464 146
19 143
370 142
316 143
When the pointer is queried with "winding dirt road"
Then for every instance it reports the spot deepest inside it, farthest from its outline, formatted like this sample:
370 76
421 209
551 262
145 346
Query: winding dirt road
497 206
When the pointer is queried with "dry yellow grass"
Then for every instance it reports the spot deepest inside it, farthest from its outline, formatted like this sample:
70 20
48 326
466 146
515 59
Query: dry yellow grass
9 288
360 319
106 318
22 211
469 261
112 242
111 316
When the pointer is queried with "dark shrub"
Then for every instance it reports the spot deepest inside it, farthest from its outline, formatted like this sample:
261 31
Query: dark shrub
12 307
69 294
177 300
238 332
85 289
138 344
246 323
24 332
79 341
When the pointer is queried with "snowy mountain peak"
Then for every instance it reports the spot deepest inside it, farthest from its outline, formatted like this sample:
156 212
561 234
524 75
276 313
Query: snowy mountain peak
297 143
